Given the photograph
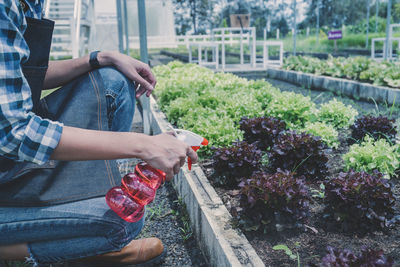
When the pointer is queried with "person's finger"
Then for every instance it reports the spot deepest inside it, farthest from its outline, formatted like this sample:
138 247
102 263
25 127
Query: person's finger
148 75
171 133
140 91
182 161
192 155
144 85
169 175
149 92
154 83
177 168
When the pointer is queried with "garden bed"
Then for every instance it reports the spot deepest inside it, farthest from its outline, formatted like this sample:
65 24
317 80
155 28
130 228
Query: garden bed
279 207
308 244
221 244
352 89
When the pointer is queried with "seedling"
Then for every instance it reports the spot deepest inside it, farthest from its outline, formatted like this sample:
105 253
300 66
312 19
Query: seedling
288 252
318 193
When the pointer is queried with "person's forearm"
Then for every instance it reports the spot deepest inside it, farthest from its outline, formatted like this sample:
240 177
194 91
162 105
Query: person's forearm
61 72
163 151
81 144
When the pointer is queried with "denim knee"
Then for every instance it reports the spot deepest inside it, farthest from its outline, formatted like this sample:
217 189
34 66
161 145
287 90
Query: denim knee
120 96
116 236
125 232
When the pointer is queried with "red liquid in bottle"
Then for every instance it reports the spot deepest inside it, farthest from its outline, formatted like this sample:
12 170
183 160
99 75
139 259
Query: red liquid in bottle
137 189
150 175
123 205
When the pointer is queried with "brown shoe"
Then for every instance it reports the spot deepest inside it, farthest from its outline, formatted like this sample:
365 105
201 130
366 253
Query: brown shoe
141 252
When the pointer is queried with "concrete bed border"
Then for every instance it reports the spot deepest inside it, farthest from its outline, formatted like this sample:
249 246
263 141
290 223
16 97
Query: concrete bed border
221 244
353 89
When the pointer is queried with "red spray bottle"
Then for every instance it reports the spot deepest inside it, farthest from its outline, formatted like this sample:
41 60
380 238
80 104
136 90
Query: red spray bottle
139 188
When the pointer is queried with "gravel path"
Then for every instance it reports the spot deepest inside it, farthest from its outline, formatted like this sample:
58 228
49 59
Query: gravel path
166 218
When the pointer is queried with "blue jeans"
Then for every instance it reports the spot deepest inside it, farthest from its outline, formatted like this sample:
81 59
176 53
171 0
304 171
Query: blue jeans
84 228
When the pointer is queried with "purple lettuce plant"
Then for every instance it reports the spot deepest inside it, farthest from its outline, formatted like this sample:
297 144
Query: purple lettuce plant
301 153
345 258
231 164
272 199
263 131
377 127
358 201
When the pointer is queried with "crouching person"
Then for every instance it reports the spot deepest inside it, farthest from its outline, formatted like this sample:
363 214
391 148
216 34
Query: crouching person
58 154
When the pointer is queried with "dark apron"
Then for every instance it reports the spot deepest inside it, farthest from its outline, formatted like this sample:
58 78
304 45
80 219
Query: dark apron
29 184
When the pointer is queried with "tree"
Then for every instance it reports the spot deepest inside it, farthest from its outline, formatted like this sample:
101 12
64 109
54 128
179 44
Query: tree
396 13
182 18
335 13
196 15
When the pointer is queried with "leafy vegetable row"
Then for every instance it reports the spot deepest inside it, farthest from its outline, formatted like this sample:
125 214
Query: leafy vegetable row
355 68
212 104
225 108
274 148
272 144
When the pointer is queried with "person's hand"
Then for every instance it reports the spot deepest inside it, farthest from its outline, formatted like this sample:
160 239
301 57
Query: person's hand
135 70
167 153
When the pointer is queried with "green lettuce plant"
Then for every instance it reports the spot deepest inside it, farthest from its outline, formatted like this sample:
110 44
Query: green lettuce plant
326 132
337 114
373 155
210 104
294 109
354 68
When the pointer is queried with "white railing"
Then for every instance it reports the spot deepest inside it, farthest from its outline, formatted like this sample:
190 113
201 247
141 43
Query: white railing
242 36
265 47
382 39
229 38
203 48
221 37
391 40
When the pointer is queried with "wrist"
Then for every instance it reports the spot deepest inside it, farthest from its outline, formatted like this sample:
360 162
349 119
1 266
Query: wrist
105 58
141 147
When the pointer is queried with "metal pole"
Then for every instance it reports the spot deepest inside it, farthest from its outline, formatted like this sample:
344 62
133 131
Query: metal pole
47 8
318 7
120 30
294 27
368 7
143 32
77 28
126 27
389 15
376 14
144 57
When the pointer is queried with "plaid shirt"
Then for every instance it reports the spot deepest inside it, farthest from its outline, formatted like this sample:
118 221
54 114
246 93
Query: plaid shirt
24 136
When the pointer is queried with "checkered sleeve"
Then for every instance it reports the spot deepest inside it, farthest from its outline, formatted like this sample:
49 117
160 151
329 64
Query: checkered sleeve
24 136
